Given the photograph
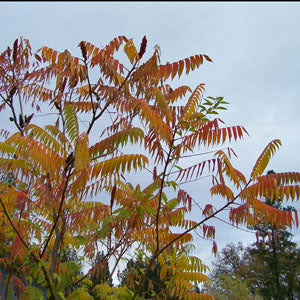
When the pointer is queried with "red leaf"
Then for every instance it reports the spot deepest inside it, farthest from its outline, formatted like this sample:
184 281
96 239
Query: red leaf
83 50
234 132
38 57
214 248
208 210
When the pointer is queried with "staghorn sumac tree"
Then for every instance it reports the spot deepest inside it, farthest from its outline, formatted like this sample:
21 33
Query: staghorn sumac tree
71 187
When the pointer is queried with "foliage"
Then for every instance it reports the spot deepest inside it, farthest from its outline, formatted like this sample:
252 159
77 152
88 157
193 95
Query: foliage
277 260
102 275
230 288
130 277
71 188
232 274
269 269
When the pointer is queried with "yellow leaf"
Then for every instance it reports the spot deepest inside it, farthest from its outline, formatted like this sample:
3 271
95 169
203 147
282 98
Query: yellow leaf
131 51
264 158
44 52
82 156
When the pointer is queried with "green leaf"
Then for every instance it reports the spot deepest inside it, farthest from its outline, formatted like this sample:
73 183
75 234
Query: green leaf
207 102
141 210
80 240
164 198
122 213
61 294
32 292
71 120
150 210
179 132
173 184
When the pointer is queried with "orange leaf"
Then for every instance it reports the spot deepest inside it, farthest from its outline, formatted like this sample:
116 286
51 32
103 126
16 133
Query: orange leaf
175 69
54 57
199 60
160 72
90 48
60 61
44 51
187 65
168 70
193 63
181 66
49 54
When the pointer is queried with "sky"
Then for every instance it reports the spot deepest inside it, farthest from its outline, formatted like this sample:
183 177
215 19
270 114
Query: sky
256 64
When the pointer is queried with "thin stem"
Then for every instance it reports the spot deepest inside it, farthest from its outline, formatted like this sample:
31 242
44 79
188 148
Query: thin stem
161 191
157 216
105 256
21 106
9 102
221 220
96 117
123 251
201 222
90 89
58 215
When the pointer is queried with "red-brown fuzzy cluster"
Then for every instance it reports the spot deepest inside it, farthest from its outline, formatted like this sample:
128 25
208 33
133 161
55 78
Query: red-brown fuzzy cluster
15 50
83 50
143 47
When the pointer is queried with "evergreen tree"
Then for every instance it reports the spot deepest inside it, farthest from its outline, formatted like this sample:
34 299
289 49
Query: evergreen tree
102 273
152 286
230 274
276 259
269 268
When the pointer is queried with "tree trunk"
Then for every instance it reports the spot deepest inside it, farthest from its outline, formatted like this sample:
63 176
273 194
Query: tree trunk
276 271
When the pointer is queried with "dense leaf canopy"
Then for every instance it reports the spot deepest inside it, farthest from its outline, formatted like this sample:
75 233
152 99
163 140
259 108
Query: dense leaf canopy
62 190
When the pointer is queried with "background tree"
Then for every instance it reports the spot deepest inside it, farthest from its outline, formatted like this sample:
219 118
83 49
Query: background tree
277 259
102 275
269 269
153 286
231 275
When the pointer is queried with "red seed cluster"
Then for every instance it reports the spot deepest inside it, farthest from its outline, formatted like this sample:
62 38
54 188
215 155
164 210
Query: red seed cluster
83 50
15 50
143 47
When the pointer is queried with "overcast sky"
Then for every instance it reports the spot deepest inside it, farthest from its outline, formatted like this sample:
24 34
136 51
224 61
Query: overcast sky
255 47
